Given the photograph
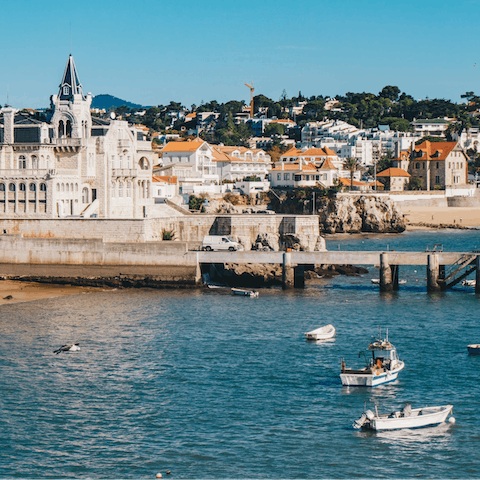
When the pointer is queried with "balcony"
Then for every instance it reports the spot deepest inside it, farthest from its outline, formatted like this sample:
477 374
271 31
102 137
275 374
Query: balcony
25 173
68 144
124 172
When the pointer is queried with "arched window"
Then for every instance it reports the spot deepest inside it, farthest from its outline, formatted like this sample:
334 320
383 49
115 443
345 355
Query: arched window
63 187
33 187
67 188
22 162
417 165
85 195
2 187
120 189
68 129
34 162
22 187
129 189
58 187
143 163
61 129
11 187
43 187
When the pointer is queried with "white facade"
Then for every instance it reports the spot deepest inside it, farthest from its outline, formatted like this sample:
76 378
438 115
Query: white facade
72 164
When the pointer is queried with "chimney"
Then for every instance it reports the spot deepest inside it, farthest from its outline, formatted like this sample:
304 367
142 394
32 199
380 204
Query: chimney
8 124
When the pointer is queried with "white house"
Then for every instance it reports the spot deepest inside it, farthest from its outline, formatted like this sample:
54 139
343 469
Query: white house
237 163
192 163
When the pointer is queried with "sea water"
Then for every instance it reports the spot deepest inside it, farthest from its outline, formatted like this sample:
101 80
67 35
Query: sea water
210 385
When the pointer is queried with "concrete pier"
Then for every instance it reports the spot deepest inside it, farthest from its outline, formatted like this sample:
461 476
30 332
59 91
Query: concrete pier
288 273
386 284
433 273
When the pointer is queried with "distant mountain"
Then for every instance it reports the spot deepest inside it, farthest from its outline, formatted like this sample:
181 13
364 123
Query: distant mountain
109 101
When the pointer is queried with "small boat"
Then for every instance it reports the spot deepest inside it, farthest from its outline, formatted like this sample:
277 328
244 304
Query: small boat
244 293
405 418
473 349
469 283
376 281
322 333
383 367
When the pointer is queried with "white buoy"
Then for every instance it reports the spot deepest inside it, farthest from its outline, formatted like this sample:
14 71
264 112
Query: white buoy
451 420
159 475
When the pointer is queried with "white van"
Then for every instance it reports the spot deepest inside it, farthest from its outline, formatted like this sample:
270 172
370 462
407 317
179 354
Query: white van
220 242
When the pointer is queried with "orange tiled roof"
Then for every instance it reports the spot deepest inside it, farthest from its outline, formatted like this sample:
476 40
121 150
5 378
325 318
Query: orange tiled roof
171 180
327 165
434 150
393 172
347 182
183 146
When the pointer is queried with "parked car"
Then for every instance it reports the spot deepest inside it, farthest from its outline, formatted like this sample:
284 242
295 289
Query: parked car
220 242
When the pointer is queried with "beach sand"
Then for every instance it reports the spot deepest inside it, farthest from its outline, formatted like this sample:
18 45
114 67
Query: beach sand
436 216
28 291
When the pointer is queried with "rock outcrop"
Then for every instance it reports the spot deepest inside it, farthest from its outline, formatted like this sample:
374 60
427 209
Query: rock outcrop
362 213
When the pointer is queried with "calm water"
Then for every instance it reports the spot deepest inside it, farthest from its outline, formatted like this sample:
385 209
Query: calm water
208 385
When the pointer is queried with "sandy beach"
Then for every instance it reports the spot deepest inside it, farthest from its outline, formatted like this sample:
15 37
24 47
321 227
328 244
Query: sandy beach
15 291
442 216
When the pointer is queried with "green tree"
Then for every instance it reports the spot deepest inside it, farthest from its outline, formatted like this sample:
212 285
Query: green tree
352 165
390 92
274 129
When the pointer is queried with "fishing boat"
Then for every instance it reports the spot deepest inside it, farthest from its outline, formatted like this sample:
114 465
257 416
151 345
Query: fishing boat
473 349
383 366
405 418
244 293
322 333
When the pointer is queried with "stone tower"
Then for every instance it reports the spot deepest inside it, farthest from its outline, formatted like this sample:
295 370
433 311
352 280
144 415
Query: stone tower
71 118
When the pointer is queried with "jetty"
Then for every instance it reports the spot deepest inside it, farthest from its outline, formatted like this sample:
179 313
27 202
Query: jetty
180 264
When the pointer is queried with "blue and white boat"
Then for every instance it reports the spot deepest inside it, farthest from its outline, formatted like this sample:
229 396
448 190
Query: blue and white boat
383 366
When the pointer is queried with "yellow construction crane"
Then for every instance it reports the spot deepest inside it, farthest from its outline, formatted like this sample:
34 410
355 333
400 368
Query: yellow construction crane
251 98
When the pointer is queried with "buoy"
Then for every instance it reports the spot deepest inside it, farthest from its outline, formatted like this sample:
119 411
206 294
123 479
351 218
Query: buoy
159 475
451 420
168 472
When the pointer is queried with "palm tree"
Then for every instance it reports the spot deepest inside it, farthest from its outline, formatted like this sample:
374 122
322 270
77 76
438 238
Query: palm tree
352 165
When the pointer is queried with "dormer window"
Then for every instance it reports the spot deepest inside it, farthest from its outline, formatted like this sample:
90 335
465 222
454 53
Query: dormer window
66 90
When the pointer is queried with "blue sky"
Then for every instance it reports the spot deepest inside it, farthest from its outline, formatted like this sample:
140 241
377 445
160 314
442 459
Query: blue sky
153 51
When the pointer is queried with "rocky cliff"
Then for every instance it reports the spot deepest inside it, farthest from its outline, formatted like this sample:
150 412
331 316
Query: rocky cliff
359 213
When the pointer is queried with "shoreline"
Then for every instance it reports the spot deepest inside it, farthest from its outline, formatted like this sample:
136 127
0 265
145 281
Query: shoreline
18 291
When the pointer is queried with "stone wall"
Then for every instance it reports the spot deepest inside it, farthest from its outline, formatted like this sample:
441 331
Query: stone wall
187 228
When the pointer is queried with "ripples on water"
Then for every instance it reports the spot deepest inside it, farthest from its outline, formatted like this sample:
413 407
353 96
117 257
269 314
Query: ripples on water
210 385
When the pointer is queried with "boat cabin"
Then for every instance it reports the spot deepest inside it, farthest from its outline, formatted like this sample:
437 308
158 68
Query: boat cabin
383 352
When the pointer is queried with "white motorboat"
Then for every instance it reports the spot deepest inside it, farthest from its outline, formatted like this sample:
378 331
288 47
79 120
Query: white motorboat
244 293
405 418
322 333
383 366
469 283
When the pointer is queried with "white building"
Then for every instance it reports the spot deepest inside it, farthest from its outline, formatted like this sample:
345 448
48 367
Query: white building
237 163
72 164
192 163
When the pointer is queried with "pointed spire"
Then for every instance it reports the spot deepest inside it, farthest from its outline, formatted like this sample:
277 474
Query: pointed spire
70 83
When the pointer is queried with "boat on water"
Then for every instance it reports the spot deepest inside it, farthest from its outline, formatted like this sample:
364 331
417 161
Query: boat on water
376 281
473 349
405 418
469 283
383 366
322 333
244 293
